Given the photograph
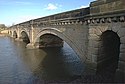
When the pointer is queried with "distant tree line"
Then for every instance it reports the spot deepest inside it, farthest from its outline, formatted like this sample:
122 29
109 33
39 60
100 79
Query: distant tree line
3 27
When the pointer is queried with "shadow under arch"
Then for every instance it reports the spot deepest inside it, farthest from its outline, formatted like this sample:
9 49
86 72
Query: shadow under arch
49 40
109 50
65 38
25 37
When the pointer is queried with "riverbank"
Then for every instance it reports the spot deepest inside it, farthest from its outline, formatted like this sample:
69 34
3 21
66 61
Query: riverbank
4 34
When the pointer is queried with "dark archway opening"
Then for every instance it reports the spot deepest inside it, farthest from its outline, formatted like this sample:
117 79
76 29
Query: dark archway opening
14 34
107 60
49 40
25 37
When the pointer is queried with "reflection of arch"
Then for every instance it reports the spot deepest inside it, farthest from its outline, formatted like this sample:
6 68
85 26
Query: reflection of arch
15 34
24 36
64 37
109 51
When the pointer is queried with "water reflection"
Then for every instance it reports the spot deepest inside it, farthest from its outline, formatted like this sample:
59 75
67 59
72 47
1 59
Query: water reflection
21 65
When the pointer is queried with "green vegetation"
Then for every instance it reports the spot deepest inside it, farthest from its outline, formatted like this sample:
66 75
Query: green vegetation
2 27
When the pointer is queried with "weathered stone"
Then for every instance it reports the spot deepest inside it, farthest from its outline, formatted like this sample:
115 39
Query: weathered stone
109 20
121 66
94 58
115 27
104 6
122 46
30 46
94 37
122 56
122 18
84 39
103 28
122 40
121 33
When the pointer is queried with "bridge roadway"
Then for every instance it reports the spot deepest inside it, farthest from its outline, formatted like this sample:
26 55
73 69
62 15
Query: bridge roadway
95 33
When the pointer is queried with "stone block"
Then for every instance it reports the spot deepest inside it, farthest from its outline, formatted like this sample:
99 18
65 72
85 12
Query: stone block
98 32
122 56
115 27
103 28
121 32
104 6
122 40
121 66
95 51
93 37
94 44
94 58
91 31
30 46
122 47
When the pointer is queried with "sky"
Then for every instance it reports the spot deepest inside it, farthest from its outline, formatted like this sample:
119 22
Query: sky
17 11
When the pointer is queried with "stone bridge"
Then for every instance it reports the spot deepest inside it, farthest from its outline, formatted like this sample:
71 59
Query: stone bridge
95 33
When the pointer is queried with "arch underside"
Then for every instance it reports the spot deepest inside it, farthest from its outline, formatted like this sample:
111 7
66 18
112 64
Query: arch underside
49 40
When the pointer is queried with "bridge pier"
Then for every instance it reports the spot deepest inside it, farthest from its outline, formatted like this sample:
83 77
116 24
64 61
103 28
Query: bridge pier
30 46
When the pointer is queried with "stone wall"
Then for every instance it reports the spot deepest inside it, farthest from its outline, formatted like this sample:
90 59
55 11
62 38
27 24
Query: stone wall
107 6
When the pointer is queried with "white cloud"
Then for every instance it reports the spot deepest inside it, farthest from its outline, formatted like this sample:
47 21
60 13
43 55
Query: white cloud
84 6
51 6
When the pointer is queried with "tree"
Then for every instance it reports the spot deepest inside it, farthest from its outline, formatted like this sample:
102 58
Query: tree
2 27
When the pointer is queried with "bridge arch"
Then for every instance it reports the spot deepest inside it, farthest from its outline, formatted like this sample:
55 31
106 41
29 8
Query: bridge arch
15 34
108 52
64 37
24 36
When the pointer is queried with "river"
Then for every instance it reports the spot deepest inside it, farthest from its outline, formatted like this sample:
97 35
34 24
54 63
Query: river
19 65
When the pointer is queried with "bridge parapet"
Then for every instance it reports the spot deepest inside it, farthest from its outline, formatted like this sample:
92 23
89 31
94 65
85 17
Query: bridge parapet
62 18
106 11
105 6
70 17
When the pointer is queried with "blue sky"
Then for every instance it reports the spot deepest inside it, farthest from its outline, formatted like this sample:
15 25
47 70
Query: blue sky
16 11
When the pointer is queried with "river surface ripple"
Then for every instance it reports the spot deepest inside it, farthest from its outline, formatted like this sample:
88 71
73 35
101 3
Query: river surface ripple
19 65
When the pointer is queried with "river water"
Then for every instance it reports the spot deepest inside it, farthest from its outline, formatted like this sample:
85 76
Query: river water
19 65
